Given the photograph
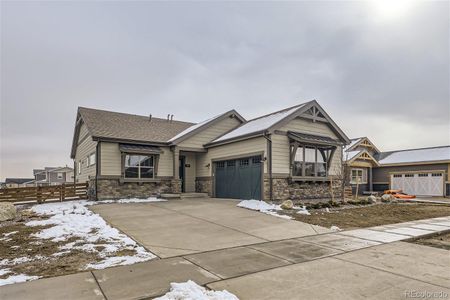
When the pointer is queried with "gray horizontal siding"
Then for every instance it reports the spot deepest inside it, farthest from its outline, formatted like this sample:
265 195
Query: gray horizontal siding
381 174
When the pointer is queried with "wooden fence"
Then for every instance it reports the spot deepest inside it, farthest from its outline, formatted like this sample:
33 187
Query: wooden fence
40 194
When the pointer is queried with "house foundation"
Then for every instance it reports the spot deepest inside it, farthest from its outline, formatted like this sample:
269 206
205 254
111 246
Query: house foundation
285 188
115 188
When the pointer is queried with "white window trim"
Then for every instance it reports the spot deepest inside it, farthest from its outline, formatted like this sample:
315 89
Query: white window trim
363 178
79 167
89 161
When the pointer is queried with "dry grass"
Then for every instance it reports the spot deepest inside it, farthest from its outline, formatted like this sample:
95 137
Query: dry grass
441 241
374 215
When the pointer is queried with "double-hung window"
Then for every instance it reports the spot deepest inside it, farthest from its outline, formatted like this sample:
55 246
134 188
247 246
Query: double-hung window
139 166
357 176
310 161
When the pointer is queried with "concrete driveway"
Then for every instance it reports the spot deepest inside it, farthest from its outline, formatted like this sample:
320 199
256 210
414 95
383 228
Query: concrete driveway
180 227
371 263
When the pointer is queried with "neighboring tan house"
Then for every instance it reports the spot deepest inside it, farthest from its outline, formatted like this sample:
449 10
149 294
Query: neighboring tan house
422 172
53 176
288 154
18 182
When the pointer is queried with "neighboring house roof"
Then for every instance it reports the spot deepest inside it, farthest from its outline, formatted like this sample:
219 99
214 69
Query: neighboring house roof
358 141
430 154
37 171
18 180
270 121
353 142
202 125
363 154
349 155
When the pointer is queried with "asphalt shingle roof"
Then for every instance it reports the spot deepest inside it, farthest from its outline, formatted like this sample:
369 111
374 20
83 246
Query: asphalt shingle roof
114 125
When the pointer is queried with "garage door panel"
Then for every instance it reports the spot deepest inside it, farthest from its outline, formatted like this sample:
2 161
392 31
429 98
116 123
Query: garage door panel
239 178
421 184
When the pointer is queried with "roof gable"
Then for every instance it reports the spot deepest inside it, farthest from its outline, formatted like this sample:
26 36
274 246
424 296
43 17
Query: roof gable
199 127
351 156
362 142
269 123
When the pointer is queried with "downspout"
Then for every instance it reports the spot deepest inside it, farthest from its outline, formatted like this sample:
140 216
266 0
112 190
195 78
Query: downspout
269 164
97 169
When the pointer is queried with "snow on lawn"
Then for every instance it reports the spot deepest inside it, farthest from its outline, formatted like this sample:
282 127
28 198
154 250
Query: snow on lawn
17 278
270 209
74 219
264 207
88 232
191 291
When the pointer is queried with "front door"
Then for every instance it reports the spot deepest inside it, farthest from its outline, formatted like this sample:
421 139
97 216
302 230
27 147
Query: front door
182 173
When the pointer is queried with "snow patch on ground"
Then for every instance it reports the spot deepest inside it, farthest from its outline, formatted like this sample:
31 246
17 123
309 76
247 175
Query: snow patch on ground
335 228
264 207
303 211
74 219
10 233
191 291
270 209
17 278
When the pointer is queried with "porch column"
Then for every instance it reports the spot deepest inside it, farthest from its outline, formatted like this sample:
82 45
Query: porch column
370 179
176 163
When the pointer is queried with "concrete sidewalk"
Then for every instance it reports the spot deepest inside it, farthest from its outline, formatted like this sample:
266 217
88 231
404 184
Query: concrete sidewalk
357 264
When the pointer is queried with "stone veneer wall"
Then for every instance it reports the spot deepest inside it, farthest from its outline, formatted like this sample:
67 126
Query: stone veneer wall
203 185
115 189
284 189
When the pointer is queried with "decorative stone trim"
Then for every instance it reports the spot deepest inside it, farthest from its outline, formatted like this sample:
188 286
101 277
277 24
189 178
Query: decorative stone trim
284 189
115 189
203 185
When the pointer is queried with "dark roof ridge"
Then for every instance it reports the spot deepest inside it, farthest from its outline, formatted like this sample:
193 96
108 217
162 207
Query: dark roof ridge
129 114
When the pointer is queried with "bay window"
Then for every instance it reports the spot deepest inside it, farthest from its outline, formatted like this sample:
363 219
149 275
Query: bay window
139 166
310 161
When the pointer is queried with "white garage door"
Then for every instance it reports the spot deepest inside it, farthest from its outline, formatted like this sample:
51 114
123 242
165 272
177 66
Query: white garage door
420 184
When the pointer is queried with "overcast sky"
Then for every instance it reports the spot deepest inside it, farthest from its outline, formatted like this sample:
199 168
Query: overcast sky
379 70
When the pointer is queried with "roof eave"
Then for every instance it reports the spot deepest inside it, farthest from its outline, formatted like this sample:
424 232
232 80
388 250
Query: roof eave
235 139
431 162
206 125
128 141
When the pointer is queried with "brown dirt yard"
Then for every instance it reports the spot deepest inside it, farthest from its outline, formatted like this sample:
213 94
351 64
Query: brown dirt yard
441 241
373 215
22 251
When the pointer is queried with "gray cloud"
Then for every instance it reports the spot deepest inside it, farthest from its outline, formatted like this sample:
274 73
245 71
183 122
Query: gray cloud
387 78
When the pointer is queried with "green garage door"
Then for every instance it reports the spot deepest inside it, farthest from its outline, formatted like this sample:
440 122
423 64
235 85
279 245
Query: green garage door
238 178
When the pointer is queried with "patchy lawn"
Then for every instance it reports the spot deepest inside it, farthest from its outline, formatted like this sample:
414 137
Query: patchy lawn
441 241
61 238
373 215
